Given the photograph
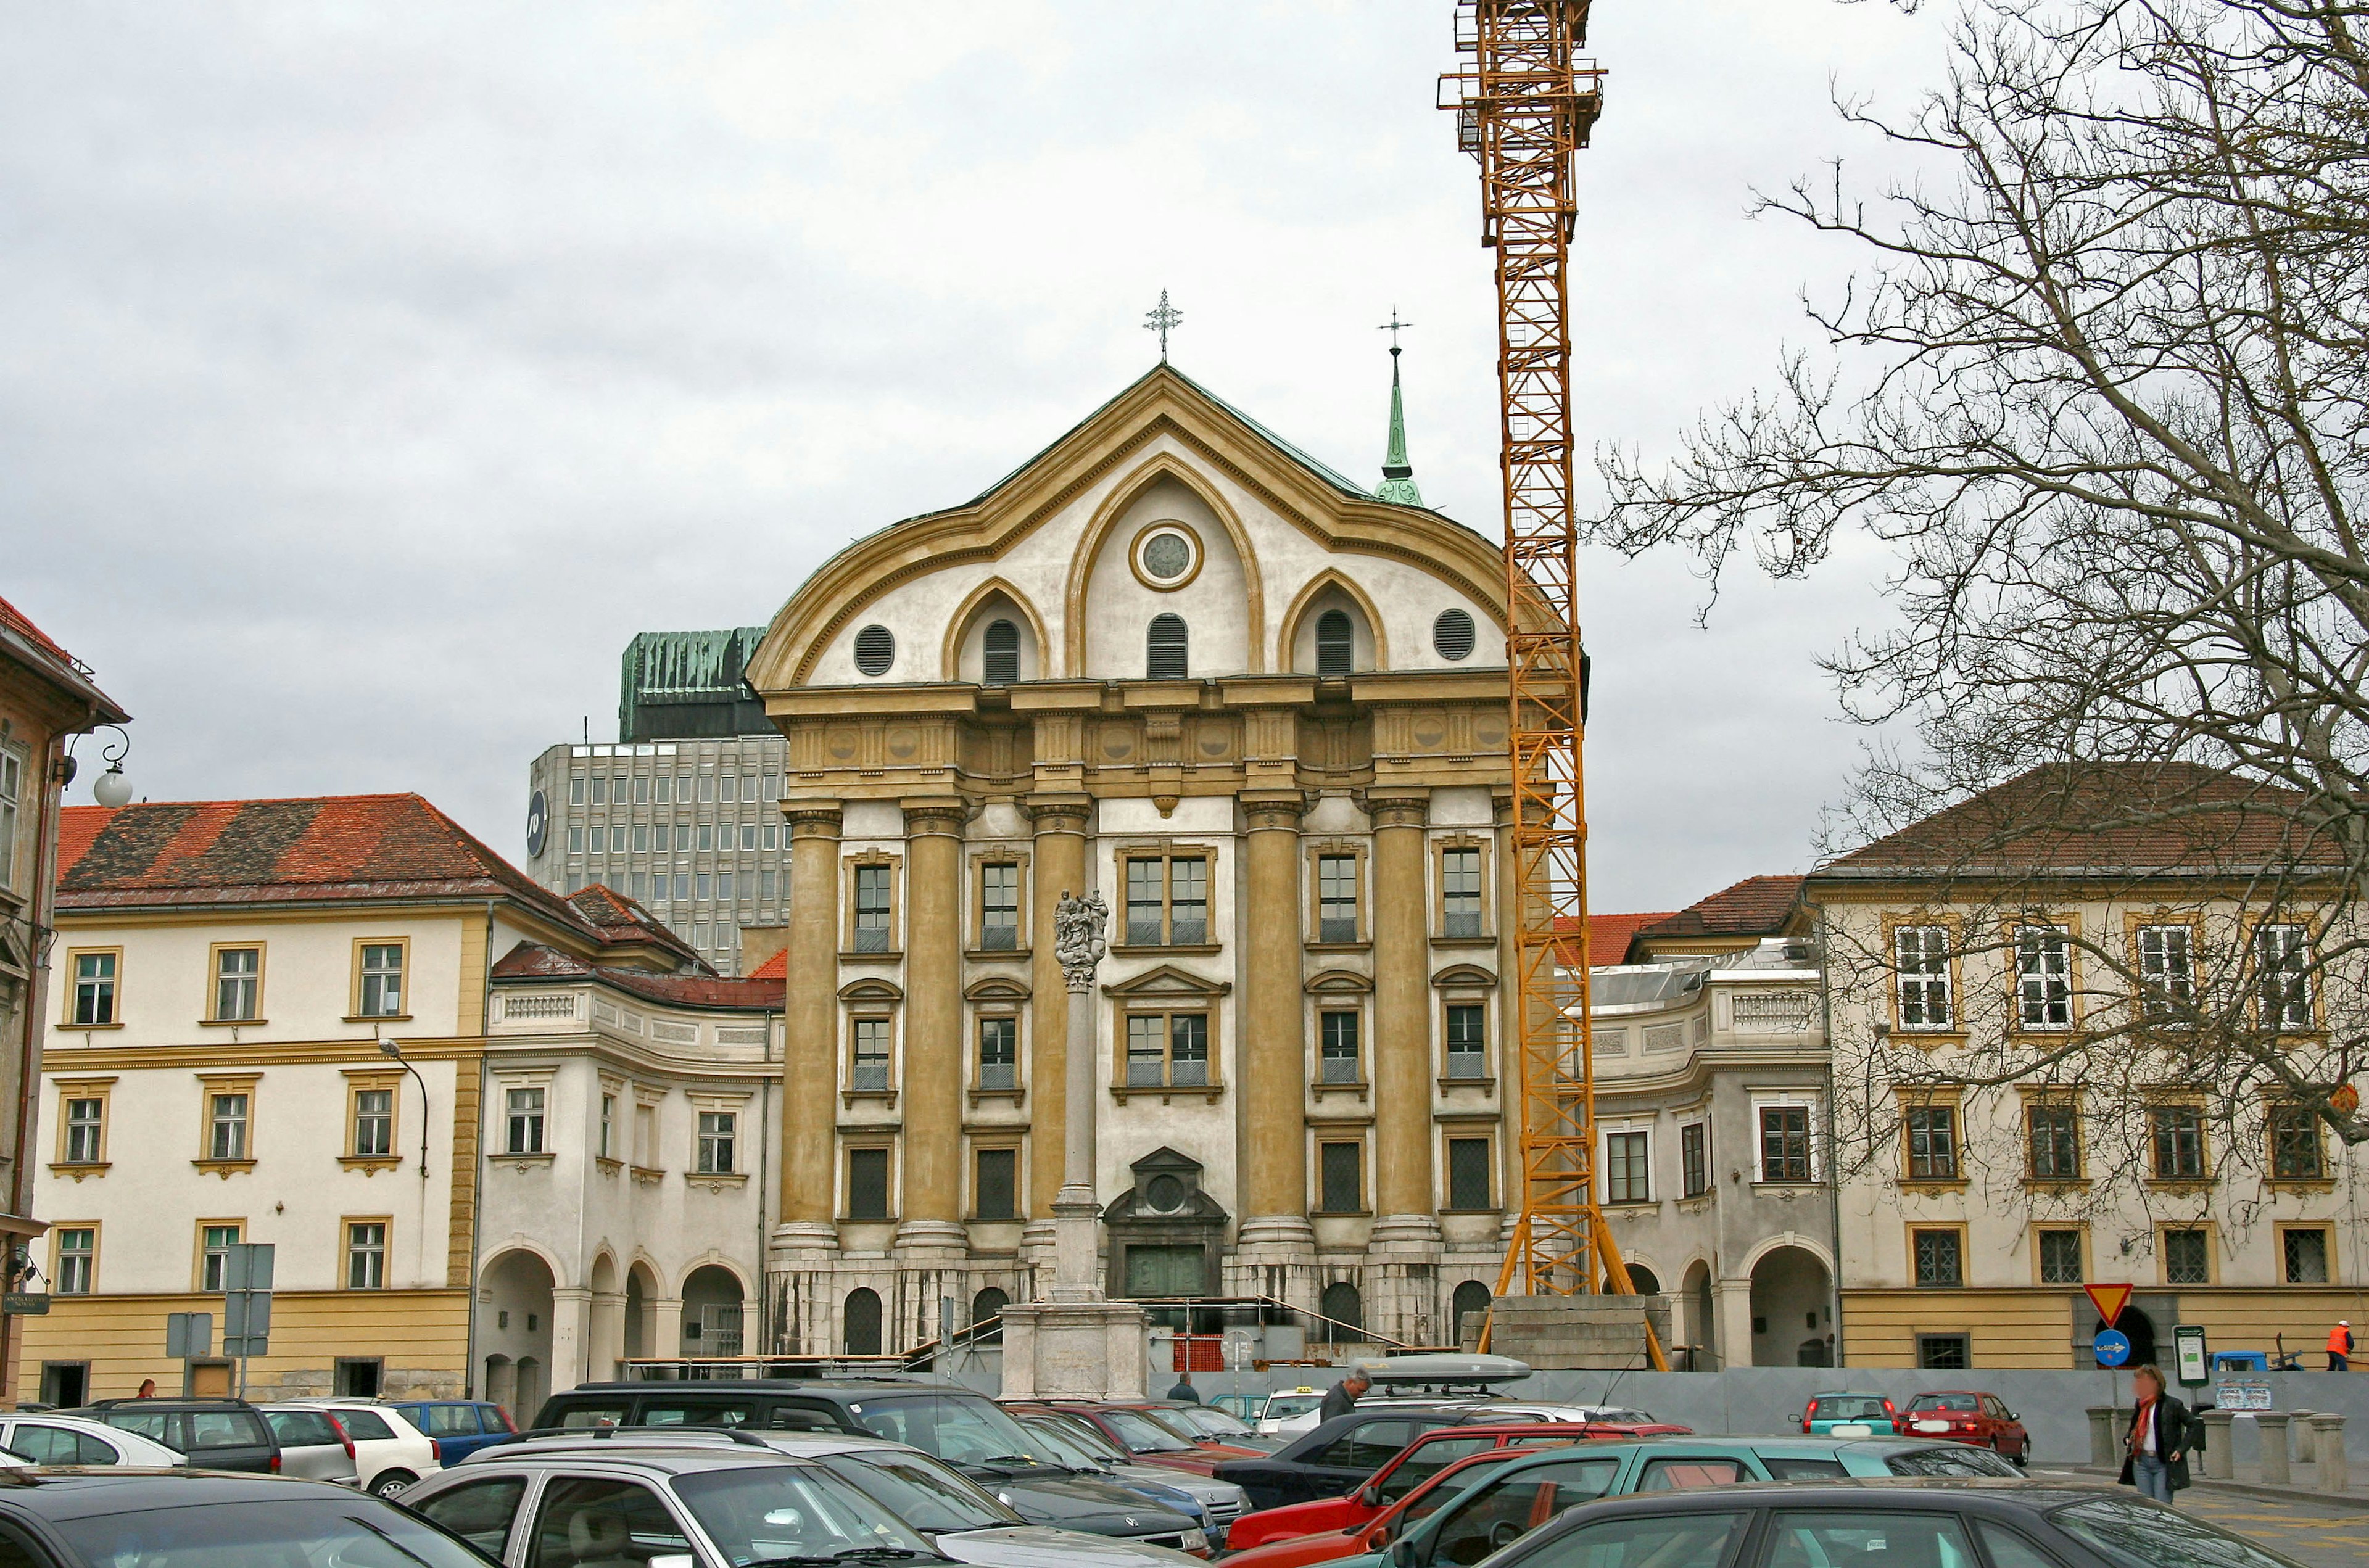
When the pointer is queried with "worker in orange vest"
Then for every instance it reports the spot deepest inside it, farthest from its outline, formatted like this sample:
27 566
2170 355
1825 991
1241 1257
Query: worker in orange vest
2339 1345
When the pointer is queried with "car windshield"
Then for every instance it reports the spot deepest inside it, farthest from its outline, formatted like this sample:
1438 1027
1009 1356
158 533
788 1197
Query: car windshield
958 1430
2144 1537
1144 1434
1088 1437
922 1491
1950 1459
1451 1484
757 1512
351 1532
1067 1448
1627 1417
1943 1402
1209 1423
1848 1407
1285 1406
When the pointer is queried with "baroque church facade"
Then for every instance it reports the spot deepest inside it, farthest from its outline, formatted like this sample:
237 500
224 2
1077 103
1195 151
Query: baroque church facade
1260 709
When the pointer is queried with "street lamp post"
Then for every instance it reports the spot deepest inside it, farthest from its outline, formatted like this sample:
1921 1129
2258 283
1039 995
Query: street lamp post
395 1050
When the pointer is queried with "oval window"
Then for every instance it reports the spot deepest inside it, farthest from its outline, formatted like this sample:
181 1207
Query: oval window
1452 635
876 649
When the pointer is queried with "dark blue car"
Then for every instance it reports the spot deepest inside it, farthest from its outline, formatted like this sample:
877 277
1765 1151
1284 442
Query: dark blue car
461 1426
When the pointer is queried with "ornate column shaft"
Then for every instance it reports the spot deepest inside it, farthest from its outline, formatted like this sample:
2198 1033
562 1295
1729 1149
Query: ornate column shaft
934 1043
1059 823
1274 1051
1402 1016
1077 924
809 1031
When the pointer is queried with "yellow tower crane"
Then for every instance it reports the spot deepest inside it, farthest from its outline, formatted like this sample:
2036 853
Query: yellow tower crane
1524 104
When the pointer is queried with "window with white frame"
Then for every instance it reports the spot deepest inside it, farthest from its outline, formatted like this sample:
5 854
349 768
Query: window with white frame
12 788
872 908
2044 978
999 1053
226 1126
78 1260
1694 1158
717 1132
1168 1050
867 1068
2166 969
1786 1152
1167 900
1920 958
381 979
214 1243
1341 1058
1459 892
238 981
94 993
2283 976
999 906
1628 1166
373 1122
366 1254
607 1126
523 1116
85 1130
1336 897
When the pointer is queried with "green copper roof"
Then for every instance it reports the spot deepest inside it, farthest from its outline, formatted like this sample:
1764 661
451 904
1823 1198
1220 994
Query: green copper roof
680 684
1398 475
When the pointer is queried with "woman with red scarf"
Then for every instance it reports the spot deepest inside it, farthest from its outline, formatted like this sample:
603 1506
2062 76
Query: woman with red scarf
2155 1449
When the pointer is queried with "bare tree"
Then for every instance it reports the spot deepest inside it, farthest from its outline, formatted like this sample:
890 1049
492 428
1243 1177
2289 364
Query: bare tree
2102 385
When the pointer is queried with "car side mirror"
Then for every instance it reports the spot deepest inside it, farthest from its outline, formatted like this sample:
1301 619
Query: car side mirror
1403 1554
1369 1497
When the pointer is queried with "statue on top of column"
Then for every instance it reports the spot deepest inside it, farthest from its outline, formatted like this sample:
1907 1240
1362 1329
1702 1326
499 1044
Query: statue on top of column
1078 937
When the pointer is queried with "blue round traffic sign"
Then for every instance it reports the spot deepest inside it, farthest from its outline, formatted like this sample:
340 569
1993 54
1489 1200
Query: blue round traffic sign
2112 1348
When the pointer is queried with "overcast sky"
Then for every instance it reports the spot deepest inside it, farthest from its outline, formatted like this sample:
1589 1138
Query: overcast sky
374 373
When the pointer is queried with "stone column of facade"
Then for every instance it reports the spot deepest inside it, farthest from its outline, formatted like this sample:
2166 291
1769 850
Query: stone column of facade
608 1334
665 1326
1405 1246
1276 1246
571 1315
1060 823
932 1097
804 1233
1734 1298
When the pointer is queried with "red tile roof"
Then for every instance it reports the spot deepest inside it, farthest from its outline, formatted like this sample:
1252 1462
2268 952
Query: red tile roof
1607 937
2110 817
65 668
1757 905
530 960
776 967
622 919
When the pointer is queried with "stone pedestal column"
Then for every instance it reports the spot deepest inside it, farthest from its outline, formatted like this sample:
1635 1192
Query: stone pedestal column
809 1039
2328 1442
1060 823
571 1313
2272 1427
2105 1439
2220 1452
932 1100
1275 1238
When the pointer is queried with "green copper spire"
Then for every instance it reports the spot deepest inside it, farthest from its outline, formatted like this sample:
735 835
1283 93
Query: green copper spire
1398 475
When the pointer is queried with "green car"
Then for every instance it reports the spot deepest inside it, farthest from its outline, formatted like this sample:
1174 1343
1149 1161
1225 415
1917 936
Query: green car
1518 1496
1864 1416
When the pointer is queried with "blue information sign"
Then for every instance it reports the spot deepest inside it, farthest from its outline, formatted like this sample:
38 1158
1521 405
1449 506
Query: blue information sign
2112 1347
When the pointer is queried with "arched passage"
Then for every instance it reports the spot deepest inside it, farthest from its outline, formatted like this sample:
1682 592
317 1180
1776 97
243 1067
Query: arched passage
1791 1300
712 1309
1346 1310
986 1306
514 1331
860 1322
641 1292
605 1328
1467 1308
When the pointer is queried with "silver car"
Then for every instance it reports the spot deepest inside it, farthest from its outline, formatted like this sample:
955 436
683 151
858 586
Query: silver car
1219 1502
311 1446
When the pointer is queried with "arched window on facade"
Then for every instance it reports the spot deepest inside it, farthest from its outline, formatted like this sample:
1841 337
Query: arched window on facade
1468 1307
1341 1304
862 1316
988 1304
1165 649
1642 1281
1337 643
1000 657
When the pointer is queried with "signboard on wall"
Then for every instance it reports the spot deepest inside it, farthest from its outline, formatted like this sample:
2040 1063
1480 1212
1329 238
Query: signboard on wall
2241 1396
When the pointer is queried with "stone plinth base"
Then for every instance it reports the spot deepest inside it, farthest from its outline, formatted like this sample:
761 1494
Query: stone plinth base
1073 1350
1578 1332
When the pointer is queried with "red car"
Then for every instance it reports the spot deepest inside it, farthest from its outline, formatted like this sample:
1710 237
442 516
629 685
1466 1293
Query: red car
1139 1429
1407 1469
1967 1415
1443 1485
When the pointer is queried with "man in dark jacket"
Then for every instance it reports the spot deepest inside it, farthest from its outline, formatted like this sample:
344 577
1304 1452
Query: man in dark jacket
2156 1444
1343 1396
1185 1389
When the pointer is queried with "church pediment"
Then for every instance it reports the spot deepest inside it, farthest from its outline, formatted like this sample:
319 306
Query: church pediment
1168 981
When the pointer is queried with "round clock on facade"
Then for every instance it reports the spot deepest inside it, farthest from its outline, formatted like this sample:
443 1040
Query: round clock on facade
538 824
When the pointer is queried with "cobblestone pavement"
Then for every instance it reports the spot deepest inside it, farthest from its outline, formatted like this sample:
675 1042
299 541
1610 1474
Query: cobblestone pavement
2314 1533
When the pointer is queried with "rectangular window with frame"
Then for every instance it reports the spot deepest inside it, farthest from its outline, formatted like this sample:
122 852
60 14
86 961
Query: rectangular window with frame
1941 1258
1785 1143
607 1126
1462 911
373 1122
1694 1158
94 988
1167 1050
999 906
382 987
1932 1142
1920 958
2177 1137
719 1131
238 984
2283 976
2295 1148
999 1053
867 1184
2187 1257
1628 1167
1944 1352
78 1260
1336 897
867 1067
995 1187
1470 1175
2304 1254
2060 1258
2053 1137
1340 1057
1467 1040
1341 1169
2166 970
873 908
85 1130
227 1125
1167 900
214 1242
522 1132
12 788
366 1254
2044 978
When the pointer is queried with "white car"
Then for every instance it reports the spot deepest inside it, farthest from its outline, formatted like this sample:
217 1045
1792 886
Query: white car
1298 1407
390 1453
46 1440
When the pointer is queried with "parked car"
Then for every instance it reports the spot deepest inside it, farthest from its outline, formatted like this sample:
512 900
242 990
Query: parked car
52 1439
968 1431
1527 1491
1279 1408
1331 1459
1967 1415
390 1452
213 1434
460 1427
1143 1433
311 1446
584 1501
1378 1490
1209 1423
1862 1416
1217 1503
1933 1525
120 1517
1624 1420
1325 1546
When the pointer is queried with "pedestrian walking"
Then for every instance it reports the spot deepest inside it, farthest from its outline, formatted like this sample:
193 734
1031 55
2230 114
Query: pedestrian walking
1343 1396
147 1388
2339 1345
2155 1449
1185 1389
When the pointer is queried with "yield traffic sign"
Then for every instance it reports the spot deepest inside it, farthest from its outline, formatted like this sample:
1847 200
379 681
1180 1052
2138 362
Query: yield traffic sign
2110 1301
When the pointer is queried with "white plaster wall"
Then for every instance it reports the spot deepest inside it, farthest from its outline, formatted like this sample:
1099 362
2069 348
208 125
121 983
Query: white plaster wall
1215 604
971 653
